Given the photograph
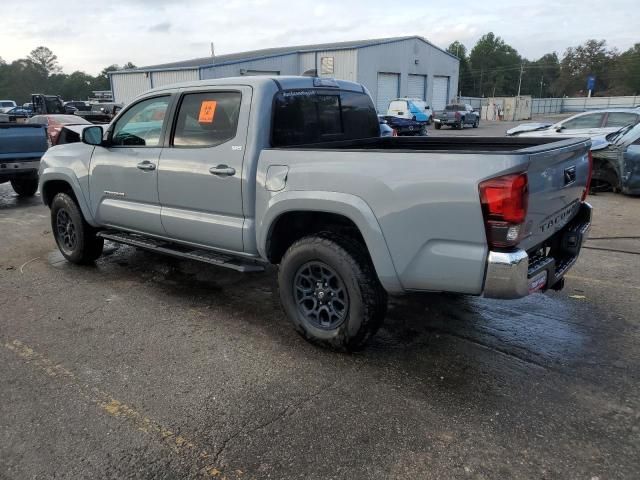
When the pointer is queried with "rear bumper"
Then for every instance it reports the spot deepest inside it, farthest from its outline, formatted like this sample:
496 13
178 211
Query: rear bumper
19 167
515 274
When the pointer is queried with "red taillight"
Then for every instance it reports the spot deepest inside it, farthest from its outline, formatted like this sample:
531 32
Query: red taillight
504 206
589 175
457 115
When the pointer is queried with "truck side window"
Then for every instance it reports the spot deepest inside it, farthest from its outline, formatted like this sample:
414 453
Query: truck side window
314 116
141 125
207 119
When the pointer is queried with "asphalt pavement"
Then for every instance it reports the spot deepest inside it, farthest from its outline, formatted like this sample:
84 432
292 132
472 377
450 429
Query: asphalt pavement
147 367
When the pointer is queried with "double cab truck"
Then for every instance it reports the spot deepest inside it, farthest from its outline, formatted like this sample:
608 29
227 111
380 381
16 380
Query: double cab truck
291 171
457 116
21 147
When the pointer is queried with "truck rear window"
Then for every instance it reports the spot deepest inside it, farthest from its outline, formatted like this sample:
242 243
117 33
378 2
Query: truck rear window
317 115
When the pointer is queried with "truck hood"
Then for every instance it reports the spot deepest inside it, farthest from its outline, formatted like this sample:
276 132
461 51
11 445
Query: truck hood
529 127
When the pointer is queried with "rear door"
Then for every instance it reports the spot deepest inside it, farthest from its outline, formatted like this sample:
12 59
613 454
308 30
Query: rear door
123 180
200 174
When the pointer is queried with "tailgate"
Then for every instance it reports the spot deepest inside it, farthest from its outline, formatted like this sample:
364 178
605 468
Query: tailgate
558 174
22 141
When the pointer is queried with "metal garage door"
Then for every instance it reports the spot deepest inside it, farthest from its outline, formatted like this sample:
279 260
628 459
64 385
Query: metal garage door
417 87
440 95
388 89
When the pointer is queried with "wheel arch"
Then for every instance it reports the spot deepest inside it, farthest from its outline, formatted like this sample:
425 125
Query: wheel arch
52 183
288 211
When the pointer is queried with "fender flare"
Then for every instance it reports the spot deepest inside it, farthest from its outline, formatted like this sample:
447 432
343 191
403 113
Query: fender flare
350 206
68 176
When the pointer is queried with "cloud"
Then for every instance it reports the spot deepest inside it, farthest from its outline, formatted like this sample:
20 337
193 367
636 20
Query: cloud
162 27
90 40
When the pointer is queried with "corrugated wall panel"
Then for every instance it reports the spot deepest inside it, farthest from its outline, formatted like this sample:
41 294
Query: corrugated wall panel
160 79
406 57
127 86
345 64
307 62
285 64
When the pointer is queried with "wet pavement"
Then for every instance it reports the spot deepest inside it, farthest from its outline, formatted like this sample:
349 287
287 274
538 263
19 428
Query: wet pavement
151 367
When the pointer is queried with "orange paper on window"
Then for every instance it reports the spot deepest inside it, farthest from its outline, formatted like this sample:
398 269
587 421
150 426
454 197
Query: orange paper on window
207 111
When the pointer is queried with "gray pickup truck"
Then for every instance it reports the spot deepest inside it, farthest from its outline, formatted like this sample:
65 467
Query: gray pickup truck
457 116
21 147
291 171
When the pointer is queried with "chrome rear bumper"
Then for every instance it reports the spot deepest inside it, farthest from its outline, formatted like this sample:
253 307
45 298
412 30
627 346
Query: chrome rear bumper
514 274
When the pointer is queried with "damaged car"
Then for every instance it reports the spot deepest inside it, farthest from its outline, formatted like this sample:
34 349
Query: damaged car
587 124
616 161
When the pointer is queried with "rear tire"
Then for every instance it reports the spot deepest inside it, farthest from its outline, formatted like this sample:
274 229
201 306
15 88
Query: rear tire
76 239
461 124
438 125
25 187
476 123
330 291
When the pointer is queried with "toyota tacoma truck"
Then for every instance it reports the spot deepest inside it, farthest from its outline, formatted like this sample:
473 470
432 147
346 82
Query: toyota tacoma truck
291 171
21 147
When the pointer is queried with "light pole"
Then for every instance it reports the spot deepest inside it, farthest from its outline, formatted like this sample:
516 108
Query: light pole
520 79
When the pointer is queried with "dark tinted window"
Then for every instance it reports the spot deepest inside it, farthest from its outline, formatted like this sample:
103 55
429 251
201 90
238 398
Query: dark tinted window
207 119
314 116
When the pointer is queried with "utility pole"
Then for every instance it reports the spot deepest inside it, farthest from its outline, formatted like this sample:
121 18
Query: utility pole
213 53
541 83
520 80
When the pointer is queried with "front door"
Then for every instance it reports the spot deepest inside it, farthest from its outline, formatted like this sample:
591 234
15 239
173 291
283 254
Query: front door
200 175
123 180
583 125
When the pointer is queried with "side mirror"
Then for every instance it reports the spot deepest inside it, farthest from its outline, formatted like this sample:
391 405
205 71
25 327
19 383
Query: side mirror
560 128
92 135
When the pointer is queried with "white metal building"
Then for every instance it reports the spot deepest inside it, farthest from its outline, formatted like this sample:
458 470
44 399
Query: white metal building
388 67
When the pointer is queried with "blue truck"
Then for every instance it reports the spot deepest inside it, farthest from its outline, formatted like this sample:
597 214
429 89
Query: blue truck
21 147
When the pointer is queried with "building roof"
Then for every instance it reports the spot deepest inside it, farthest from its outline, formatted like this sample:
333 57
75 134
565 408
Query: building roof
274 52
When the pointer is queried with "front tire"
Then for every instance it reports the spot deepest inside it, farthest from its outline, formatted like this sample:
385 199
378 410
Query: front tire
76 239
330 291
25 187
438 125
476 123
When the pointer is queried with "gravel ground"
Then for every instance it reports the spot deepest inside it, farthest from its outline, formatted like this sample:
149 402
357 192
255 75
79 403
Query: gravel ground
149 367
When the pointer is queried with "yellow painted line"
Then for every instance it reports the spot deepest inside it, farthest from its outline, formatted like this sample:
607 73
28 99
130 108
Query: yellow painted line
179 444
602 282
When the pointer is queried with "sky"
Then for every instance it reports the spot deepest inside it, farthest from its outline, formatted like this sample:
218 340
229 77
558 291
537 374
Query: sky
148 32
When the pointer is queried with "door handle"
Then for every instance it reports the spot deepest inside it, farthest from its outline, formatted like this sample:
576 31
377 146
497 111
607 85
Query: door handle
146 165
222 171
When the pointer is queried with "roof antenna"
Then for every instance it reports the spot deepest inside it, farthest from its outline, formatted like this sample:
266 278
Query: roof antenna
213 54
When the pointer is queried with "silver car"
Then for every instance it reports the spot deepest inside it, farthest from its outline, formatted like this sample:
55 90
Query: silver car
589 124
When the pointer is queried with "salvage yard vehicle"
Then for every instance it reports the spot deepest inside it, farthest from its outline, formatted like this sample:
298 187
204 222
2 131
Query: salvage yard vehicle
54 124
405 127
6 105
21 147
250 171
588 124
411 108
457 115
616 161
99 113
16 114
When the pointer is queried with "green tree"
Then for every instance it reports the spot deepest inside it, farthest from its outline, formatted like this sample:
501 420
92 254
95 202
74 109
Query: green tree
625 72
590 58
465 82
540 77
46 59
495 67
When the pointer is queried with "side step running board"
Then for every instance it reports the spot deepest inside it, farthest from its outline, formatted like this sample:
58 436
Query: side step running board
167 248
